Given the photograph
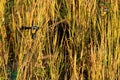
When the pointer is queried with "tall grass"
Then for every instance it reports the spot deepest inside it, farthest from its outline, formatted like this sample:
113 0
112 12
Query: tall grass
88 48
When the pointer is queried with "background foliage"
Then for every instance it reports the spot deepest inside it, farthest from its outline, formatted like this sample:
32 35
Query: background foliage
77 40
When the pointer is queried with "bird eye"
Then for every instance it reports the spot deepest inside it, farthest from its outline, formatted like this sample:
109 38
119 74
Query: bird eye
35 27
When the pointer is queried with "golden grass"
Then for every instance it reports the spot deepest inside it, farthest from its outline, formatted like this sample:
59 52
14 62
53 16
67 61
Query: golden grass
92 51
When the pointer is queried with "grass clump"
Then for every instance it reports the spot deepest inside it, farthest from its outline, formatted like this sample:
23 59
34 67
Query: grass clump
76 40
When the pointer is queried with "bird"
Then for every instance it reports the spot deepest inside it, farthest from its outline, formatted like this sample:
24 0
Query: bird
33 29
27 27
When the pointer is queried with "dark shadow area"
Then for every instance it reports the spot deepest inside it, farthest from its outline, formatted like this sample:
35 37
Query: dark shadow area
11 65
63 34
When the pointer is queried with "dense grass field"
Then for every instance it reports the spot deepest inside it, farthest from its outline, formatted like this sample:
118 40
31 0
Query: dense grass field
76 40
